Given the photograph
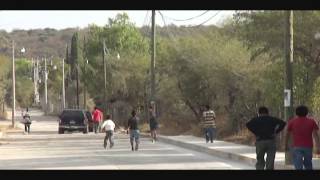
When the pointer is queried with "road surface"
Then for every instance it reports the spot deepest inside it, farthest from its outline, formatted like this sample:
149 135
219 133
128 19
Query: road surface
44 148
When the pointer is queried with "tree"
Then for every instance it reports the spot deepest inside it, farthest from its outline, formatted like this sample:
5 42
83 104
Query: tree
24 85
5 67
263 33
125 76
75 59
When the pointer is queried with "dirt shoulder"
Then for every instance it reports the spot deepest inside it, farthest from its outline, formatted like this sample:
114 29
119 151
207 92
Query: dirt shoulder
4 128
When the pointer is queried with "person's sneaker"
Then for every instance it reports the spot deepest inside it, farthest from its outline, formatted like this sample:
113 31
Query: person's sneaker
152 141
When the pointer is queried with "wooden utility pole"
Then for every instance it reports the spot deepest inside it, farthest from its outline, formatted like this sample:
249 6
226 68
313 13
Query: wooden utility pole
46 85
63 87
13 87
288 103
105 78
85 86
153 64
78 99
84 79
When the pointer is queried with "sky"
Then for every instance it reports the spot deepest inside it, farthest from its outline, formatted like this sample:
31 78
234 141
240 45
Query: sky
26 20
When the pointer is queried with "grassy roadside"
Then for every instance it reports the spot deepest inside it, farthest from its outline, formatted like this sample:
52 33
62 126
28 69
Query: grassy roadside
6 128
3 128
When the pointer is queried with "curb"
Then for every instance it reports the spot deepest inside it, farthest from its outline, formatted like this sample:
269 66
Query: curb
219 153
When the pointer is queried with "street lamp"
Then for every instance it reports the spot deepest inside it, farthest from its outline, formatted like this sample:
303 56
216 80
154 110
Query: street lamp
14 84
23 50
85 85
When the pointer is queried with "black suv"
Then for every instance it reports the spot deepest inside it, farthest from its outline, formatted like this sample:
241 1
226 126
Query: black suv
75 120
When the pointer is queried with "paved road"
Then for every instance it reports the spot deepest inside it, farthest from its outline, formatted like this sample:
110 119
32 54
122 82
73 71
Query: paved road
45 149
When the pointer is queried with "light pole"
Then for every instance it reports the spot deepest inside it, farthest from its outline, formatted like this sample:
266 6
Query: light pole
288 101
105 78
14 84
46 85
35 63
104 54
85 85
153 64
63 88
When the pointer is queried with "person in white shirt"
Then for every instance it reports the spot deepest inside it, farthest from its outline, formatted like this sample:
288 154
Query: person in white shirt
108 125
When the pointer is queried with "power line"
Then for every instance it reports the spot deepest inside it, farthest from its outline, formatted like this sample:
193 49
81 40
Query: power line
188 18
207 19
145 18
178 48
170 33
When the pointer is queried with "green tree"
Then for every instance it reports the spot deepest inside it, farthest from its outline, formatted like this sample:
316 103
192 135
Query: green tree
24 85
5 67
125 76
263 33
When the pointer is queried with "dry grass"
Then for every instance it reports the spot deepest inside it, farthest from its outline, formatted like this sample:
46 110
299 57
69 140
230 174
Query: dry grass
145 128
4 128
244 138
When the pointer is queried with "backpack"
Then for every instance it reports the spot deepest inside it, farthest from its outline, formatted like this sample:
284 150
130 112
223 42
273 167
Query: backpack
27 119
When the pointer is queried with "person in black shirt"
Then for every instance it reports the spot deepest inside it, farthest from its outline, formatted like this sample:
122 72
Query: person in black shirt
134 130
265 128
153 123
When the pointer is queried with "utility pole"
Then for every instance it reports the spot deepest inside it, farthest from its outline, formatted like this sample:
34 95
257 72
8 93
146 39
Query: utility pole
13 86
63 88
153 64
288 102
85 81
46 85
78 100
85 85
37 77
105 78
34 79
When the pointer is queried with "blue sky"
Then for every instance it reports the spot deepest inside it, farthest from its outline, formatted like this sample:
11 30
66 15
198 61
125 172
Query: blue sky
10 20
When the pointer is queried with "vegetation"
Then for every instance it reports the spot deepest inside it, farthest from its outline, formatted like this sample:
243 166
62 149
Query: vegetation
234 68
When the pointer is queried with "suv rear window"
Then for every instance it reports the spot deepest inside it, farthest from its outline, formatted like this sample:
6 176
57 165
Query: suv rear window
76 115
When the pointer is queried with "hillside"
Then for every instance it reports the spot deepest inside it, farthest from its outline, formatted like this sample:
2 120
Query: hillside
37 42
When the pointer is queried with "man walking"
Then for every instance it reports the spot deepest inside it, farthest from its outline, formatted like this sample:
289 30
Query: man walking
27 121
265 128
134 130
208 124
301 129
97 118
108 125
153 123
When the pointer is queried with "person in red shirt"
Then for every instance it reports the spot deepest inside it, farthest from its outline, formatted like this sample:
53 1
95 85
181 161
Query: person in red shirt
301 129
97 118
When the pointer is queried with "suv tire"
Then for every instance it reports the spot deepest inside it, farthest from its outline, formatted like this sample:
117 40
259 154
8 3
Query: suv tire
61 131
